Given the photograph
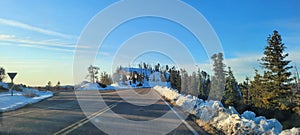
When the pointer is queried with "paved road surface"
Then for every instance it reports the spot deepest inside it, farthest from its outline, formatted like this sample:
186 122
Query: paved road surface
62 114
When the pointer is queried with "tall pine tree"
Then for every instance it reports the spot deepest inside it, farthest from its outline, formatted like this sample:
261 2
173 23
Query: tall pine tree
256 90
232 94
276 75
218 78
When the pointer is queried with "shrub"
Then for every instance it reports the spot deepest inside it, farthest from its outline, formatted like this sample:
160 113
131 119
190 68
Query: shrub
3 89
102 85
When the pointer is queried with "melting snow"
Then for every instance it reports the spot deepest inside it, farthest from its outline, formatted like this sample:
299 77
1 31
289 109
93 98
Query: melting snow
8 102
227 120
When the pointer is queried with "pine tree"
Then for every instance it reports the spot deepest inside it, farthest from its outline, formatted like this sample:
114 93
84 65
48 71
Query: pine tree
184 81
58 85
134 79
244 87
256 90
124 78
105 78
218 79
194 84
117 75
204 85
175 79
140 79
49 85
232 94
276 75
2 74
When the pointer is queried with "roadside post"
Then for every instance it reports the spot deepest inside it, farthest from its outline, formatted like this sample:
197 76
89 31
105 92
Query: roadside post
12 76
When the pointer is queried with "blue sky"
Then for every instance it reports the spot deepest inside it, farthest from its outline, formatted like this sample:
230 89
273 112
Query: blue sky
38 38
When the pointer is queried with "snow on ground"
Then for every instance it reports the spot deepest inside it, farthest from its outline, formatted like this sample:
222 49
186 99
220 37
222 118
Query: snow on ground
4 85
293 131
227 120
92 86
85 85
8 102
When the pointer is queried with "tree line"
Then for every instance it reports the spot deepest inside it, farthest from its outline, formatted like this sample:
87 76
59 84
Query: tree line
271 88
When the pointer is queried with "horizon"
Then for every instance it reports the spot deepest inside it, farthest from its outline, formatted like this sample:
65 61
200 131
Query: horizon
38 39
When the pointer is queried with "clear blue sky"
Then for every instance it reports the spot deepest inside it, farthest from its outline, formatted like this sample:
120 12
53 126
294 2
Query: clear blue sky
38 38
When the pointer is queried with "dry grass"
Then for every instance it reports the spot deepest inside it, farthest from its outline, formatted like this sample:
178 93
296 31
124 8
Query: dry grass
3 89
208 128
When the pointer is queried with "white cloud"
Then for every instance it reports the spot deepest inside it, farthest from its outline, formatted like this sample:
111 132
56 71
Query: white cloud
14 39
4 36
33 28
243 65
49 44
46 47
36 44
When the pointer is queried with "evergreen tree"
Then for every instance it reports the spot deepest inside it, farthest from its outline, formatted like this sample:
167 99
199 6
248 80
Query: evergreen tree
134 79
218 79
194 84
256 90
49 85
117 75
244 87
157 67
184 81
175 79
276 75
232 94
2 74
140 78
124 78
58 85
105 78
162 77
204 84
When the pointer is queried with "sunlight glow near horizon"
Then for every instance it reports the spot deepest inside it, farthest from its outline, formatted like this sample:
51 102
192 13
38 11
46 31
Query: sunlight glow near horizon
37 39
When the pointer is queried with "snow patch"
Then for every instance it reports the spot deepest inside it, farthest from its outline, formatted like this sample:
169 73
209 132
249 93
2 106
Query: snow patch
224 119
92 86
4 85
20 99
293 131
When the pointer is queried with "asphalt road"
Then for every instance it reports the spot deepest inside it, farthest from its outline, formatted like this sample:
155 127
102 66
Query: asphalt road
115 112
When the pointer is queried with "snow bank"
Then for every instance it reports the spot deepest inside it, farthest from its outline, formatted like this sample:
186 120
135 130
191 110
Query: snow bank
224 119
293 131
4 85
8 102
30 92
92 86
88 86
167 93
188 103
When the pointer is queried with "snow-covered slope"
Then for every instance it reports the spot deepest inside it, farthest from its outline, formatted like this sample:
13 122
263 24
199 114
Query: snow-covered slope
8 102
227 120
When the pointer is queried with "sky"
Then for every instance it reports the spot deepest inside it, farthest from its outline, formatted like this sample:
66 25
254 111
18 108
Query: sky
38 38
